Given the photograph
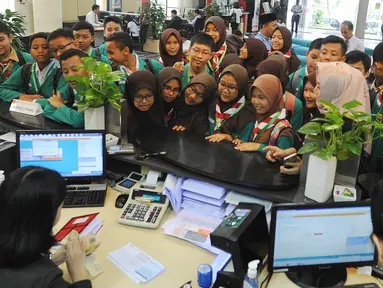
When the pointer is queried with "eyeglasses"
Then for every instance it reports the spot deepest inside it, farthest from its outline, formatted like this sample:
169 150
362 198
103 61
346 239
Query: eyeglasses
140 98
61 48
169 89
231 89
197 51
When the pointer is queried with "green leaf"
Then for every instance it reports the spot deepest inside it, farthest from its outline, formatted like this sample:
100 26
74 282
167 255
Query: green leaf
320 120
328 127
342 154
90 64
331 107
353 147
103 68
79 67
323 154
310 128
352 104
308 147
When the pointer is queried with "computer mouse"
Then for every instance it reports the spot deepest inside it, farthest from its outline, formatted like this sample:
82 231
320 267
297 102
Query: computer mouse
121 200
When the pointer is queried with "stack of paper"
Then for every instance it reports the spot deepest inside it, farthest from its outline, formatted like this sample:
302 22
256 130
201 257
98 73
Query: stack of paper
136 264
235 198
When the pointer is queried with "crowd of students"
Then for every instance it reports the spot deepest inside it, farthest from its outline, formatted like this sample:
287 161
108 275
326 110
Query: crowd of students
252 92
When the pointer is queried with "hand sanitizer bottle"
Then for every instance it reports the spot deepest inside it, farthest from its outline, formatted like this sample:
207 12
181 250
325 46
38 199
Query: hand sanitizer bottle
251 280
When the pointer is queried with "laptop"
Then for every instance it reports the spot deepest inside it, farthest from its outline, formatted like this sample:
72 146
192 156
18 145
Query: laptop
78 155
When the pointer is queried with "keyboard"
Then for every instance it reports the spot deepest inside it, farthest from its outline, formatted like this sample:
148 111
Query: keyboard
367 285
85 196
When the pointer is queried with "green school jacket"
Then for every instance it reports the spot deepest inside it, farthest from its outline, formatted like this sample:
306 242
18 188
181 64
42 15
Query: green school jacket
102 49
63 114
297 117
298 92
28 59
377 144
102 58
283 141
12 87
185 76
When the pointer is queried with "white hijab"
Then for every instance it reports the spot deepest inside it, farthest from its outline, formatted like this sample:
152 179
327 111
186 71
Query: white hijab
339 83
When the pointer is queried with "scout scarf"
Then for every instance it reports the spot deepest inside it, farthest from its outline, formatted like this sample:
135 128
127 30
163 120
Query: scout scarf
221 117
269 122
217 58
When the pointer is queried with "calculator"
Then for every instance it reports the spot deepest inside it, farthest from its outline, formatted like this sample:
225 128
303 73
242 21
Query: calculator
144 209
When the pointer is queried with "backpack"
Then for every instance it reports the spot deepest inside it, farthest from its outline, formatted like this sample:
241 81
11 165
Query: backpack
278 129
233 18
21 57
294 82
149 65
26 77
98 54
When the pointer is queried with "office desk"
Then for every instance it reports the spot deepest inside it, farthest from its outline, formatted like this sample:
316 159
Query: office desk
15 121
180 258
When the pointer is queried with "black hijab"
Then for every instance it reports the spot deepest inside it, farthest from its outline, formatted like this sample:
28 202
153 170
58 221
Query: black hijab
138 119
165 75
167 59
256 53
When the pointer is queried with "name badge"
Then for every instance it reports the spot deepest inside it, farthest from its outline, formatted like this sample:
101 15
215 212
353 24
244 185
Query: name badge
25 107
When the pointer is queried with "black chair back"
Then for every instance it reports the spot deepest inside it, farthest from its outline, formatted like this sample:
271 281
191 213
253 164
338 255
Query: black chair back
199 25
81 18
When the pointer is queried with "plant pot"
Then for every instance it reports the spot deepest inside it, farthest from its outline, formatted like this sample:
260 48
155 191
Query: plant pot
94 118
320 178
152 46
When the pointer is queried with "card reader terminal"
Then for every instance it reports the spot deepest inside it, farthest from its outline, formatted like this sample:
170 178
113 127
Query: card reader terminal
125 185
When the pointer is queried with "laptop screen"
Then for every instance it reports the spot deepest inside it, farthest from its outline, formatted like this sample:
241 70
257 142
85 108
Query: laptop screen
71 154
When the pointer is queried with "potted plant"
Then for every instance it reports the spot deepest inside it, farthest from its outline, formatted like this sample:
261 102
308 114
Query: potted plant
332 144
97 90
15 22
156 17
212 9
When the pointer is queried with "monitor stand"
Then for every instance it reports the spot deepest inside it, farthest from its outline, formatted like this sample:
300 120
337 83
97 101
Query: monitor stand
314 277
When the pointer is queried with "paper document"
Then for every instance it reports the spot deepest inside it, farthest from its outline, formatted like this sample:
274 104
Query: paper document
9 137
235 198
203 198
203 188
203 208
172 189
136 264
220 262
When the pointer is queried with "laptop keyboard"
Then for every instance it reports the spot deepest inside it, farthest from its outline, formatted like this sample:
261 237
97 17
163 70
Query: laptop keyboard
84 196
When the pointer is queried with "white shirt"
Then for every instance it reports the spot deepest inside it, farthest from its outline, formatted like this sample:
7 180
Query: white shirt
42 75
126 70
92 18
297 9
354 43
133 29
195 19
238 14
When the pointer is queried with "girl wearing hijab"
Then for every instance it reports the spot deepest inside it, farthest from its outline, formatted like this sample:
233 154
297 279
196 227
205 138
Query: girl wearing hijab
144 106
310 98
271 127
197 98
234 116
216 28
252 52
171 48
293 106
169 85
281 41
229 60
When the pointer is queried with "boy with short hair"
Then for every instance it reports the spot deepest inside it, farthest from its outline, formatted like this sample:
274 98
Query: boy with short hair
60 40
333 49
34 80
201 51
112 24
121 54
83 33
55 107
10 59
295 85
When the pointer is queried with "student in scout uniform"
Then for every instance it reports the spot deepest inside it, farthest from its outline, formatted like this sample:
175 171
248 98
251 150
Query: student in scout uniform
216 28
144 104
252 52
233 115
310 98
10 59
281 41
37 80
198 98
169 88
112 24
271 126
229 60
121 54
83 33
201 51
293 106
267 23
60 40
171 48
296 79
55 107
377 109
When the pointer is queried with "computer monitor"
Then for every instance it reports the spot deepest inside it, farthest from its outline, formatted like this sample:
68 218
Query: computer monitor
314 243
74 154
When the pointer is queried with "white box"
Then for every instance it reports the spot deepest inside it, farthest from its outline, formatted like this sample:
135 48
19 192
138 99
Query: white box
339 195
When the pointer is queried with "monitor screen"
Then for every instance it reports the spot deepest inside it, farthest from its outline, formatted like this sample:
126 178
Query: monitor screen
316 236
71 154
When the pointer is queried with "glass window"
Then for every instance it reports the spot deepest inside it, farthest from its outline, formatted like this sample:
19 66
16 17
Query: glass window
374 20
7 4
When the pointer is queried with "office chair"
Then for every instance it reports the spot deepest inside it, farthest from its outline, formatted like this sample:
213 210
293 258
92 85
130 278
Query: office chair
81 18
199 25
176 24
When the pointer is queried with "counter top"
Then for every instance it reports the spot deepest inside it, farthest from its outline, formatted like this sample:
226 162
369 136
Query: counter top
15 121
